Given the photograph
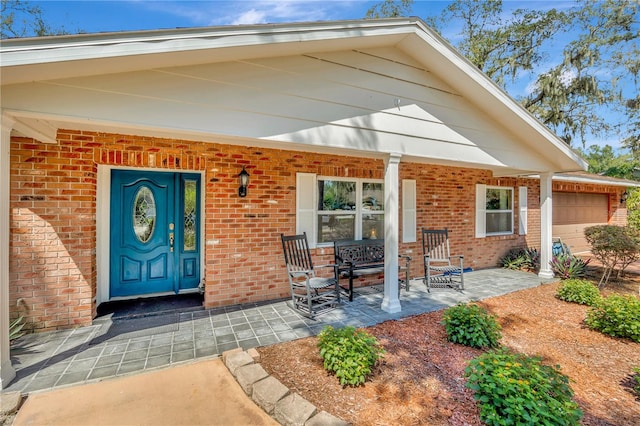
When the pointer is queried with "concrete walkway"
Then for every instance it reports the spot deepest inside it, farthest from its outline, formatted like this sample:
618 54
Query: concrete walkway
90 355
188 394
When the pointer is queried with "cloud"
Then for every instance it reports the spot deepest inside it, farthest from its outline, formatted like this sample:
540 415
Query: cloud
250 17
200 13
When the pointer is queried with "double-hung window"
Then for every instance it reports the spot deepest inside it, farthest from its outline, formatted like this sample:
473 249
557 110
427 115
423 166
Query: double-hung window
349 209
499 211
494 210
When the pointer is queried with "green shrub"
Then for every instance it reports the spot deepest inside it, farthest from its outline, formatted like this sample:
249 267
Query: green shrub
566 266
578 291
617 316
471 325
636 377
513 389
349 354
521 258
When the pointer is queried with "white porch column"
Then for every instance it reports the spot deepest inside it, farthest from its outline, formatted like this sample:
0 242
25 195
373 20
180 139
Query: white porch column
390 302
7 373
546 220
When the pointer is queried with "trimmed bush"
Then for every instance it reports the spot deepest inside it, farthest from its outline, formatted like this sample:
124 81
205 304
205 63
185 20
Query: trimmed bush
513 389
567 266
349 354
578 291
471 325
617 316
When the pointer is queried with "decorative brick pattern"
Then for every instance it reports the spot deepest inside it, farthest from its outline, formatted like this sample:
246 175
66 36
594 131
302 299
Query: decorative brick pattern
53 216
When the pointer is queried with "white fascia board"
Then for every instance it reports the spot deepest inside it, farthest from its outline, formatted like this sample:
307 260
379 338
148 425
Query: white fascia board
481 86
40 50
595 180
590 179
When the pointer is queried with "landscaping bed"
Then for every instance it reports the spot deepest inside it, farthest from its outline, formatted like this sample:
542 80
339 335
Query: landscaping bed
421 380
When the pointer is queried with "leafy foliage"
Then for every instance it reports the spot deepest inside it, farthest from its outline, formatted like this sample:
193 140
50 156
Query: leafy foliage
568 90
636 377
471 325
578 291
566 266
603 160
390 9
348 353
15 328
515 389
633 209
614 246
617 316
521 258
20 18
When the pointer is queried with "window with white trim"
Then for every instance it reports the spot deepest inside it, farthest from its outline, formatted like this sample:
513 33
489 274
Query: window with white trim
494 210
499 211
349 209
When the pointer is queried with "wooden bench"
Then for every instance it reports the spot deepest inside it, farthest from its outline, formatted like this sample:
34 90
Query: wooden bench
362 257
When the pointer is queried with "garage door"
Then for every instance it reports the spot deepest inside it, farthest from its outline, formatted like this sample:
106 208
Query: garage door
573 212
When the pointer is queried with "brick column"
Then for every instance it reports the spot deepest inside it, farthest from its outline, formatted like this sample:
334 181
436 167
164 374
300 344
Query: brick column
390 302
7 373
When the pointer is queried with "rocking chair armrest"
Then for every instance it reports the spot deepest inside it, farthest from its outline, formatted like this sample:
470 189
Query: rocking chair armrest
406 259
334 266
331 265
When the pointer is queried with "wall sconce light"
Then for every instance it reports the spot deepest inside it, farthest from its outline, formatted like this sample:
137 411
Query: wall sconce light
243 176
623 197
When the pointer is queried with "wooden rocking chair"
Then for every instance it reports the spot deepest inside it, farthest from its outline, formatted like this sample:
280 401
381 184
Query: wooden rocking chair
311 295
439 270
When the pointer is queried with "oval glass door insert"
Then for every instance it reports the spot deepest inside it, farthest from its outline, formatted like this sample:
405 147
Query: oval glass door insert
144 214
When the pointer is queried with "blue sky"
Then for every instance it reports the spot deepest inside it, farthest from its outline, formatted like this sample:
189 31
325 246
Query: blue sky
98 16
125 15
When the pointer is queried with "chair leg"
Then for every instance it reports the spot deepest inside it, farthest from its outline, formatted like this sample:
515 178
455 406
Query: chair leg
309 302
428 277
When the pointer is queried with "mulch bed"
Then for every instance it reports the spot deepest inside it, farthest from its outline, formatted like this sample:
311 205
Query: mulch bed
421 380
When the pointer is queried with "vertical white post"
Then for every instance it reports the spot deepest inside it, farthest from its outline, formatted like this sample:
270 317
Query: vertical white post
7 373
546 221
390 302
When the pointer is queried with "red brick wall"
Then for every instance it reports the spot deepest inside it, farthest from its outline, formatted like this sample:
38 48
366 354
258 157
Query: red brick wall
446 199
52 242
53 216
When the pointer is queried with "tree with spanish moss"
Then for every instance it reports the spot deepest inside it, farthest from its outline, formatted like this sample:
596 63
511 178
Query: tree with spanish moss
575 94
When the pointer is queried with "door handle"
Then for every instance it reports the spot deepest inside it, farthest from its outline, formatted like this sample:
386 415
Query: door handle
171 241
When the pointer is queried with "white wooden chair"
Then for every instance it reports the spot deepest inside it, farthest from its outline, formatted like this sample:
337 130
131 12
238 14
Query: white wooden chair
310 294
439 269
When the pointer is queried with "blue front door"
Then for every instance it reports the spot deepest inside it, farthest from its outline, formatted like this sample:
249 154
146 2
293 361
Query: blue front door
155 232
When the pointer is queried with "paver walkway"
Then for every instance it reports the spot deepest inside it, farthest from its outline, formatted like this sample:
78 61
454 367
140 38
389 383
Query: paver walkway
89 354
